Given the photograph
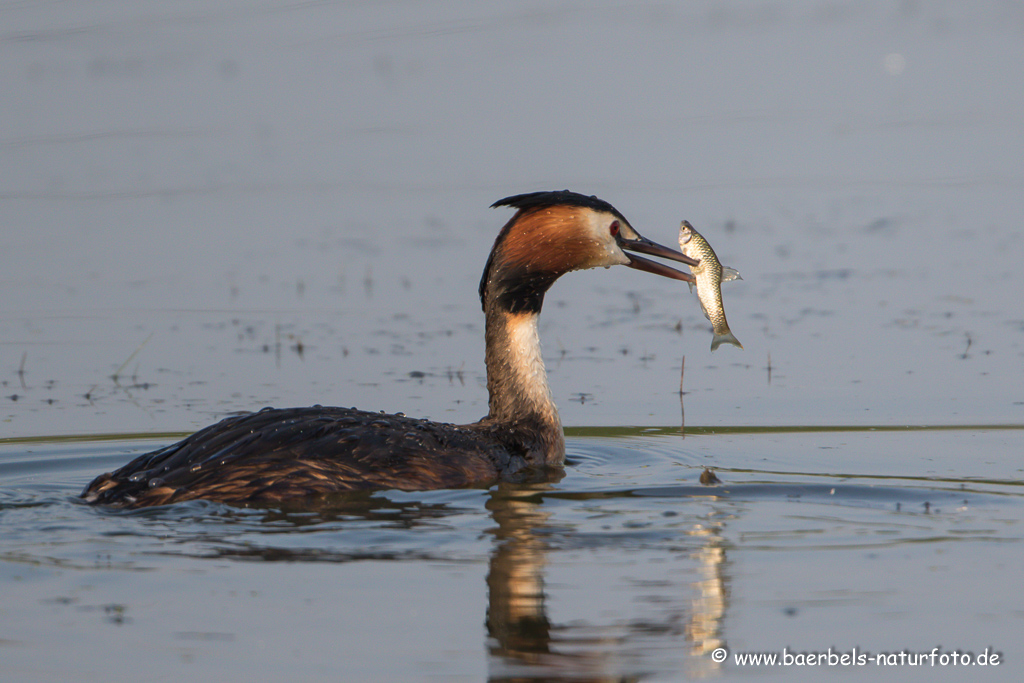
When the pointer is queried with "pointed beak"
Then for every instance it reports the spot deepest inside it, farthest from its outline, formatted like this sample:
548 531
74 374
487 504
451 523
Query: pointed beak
645 246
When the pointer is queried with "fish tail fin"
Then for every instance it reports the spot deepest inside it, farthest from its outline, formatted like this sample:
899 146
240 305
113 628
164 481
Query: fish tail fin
727 338
730 274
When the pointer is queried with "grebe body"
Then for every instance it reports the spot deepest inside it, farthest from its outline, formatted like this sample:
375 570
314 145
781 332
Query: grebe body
288 455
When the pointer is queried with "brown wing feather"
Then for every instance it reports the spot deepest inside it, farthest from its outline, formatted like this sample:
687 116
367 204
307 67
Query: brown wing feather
278 455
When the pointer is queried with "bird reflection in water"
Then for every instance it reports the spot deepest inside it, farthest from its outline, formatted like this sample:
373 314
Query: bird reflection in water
704 628
680 620
516 619
525 645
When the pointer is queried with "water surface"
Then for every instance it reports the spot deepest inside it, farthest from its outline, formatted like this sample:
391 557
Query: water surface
627 566
210 207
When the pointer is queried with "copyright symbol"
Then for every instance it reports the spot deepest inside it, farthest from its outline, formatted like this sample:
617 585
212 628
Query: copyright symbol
718 655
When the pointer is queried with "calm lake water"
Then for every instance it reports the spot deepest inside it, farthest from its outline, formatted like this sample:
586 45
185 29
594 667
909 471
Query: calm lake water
211 207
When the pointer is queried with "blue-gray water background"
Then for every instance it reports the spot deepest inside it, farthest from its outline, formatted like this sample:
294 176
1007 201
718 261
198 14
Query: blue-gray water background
208 207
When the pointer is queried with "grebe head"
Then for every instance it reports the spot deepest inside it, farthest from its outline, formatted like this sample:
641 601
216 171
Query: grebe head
553 233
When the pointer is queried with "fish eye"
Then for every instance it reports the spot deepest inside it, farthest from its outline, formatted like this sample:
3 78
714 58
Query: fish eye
614 228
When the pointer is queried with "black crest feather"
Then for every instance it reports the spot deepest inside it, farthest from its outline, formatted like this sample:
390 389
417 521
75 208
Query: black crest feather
538 200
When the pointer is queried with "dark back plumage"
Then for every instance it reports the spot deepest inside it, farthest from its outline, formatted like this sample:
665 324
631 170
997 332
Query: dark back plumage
277 455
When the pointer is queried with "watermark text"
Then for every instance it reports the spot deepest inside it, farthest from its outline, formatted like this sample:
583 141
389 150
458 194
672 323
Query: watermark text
834 657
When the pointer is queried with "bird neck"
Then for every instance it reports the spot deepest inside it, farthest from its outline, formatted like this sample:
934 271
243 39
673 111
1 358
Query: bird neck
516 379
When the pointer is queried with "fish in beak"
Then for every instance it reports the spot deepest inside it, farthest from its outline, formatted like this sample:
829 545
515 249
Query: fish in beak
629 240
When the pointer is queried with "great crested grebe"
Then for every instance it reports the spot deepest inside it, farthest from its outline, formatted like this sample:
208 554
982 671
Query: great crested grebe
290 454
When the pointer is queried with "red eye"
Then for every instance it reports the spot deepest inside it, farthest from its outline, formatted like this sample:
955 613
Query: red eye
614 228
